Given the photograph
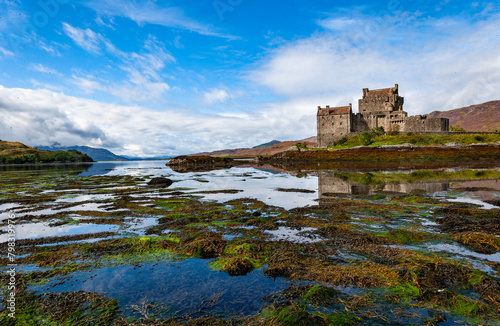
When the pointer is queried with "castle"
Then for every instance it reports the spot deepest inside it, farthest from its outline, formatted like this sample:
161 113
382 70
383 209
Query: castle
378 108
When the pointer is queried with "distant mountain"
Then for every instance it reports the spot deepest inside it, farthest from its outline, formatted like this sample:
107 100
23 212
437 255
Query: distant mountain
19 153
132 158
479 117
97 154
272 142
275 147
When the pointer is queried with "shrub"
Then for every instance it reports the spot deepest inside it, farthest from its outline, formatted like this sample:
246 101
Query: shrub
366 138
378 131
301 145
457 128
342 140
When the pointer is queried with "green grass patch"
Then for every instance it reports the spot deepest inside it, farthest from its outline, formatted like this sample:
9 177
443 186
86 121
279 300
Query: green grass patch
378 139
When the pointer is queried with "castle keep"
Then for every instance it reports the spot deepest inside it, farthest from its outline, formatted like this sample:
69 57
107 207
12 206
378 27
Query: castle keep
378 108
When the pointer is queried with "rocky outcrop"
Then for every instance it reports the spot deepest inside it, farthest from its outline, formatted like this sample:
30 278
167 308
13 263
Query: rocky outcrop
193 163
160 182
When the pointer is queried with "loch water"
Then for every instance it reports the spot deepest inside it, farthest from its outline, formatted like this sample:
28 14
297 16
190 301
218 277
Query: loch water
182 285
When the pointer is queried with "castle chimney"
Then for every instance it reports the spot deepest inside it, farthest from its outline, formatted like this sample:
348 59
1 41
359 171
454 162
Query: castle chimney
365 91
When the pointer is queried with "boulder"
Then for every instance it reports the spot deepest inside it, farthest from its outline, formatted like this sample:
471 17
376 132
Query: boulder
160 182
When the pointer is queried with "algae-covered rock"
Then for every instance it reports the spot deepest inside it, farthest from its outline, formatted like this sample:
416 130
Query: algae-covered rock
291 316
208 245
238 267
195 163
320 294
160 182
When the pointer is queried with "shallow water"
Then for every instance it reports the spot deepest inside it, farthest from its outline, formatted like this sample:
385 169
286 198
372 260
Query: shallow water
40 230
183 286
304 235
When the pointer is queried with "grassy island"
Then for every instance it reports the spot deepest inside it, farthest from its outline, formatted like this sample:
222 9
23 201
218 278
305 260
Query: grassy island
18 153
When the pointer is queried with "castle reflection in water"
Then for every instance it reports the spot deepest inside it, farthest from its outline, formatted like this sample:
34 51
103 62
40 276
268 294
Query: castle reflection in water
329 183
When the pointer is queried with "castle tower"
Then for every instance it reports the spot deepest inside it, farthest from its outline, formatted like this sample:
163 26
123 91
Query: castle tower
381 100
333 124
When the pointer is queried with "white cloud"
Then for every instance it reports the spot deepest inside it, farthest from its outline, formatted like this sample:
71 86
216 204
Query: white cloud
88 86
215 95
44 69
42 117
12 16
85 38
51 49
144 82
458 66
6 52
38 84
340 23
151 13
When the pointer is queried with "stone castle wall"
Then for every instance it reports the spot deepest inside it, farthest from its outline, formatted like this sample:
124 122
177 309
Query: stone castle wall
422 124
333 124
378 108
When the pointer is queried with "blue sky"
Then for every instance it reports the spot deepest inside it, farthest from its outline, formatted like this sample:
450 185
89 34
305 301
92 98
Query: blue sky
147 78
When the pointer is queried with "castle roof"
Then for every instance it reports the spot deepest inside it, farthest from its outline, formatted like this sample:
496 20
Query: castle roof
380 92
334 111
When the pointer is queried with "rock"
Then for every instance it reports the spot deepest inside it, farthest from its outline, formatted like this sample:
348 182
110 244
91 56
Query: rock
195 163
239 267
258 159
186 160
452 144
160 182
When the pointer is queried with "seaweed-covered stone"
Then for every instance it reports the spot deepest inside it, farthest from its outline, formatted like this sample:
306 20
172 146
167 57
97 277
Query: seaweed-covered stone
207 245
291 316
238 267
160 182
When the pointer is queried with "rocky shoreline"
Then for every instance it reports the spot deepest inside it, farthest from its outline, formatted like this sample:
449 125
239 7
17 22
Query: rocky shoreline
404 156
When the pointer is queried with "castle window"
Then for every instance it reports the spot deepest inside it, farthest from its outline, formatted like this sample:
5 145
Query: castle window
341 123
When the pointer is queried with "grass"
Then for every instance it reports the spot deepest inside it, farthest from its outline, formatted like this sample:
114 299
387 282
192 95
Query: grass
377 139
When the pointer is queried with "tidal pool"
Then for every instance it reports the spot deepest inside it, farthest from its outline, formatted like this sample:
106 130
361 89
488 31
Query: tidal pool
183 287
263 243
